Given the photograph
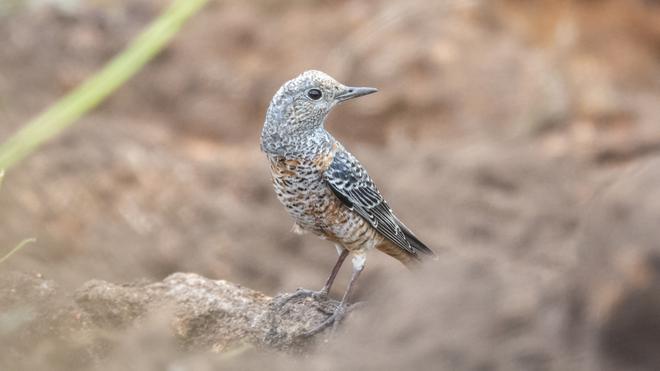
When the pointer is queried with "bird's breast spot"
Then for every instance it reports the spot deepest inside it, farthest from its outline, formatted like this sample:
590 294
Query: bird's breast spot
323 162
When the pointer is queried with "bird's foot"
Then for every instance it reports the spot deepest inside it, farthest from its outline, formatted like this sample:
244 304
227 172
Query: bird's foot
335 318
301 294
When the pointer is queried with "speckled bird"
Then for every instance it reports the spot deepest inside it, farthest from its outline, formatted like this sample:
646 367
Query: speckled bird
324 187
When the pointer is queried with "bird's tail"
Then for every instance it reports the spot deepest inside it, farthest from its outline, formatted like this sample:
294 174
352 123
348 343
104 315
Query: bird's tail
420 247
410 260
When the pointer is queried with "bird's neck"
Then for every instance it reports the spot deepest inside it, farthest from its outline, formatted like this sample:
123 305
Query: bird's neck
300 145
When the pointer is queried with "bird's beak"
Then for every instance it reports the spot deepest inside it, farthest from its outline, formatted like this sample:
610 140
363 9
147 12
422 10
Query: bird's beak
351 92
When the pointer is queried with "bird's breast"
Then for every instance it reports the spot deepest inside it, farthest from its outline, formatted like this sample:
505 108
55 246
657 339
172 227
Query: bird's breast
300 186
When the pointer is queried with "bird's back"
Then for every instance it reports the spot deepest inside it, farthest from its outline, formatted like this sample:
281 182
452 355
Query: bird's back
350 183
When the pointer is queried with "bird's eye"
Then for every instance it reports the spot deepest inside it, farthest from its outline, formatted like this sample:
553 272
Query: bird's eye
314 94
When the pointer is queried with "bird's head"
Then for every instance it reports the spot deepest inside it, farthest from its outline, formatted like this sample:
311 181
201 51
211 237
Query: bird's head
301 105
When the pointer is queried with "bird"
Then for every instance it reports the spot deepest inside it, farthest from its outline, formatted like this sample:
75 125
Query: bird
325 189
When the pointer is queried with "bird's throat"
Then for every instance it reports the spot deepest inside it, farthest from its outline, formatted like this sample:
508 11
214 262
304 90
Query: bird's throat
295 144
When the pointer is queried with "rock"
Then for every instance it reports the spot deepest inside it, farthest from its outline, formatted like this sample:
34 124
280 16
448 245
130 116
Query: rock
204 313
185 311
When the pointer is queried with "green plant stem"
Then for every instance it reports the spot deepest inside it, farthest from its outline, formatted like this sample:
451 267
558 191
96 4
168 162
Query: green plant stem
94 90
15 249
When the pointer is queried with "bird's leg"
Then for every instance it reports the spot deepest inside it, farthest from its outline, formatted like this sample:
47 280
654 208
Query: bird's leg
323 293
343 253
343 307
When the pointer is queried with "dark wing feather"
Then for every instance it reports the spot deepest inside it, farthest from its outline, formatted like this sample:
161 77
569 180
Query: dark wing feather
353 186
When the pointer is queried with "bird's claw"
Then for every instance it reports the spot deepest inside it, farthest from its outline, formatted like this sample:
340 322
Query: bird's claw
332 321
301 293
335 318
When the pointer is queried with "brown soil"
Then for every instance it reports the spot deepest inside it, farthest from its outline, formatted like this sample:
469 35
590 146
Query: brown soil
497 127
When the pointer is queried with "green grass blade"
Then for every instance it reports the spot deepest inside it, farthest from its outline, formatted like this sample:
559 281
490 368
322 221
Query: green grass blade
93 91
15 249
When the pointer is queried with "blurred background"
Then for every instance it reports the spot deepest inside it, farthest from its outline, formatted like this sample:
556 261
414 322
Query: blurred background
497 126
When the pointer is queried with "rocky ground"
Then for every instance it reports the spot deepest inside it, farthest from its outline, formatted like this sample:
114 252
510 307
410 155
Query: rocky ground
519 139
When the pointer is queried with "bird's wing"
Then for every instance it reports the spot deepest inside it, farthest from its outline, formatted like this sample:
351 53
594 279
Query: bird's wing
350 182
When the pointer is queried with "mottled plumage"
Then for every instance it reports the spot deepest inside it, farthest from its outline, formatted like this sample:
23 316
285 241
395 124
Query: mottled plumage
324 188
352 185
